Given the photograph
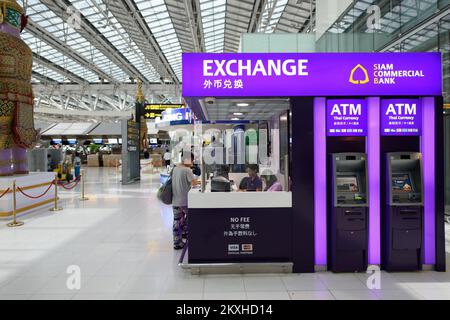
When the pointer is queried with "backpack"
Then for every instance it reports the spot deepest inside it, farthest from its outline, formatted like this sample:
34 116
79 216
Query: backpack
165 192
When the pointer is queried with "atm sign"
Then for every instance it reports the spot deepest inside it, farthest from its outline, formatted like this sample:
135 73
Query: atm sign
347 117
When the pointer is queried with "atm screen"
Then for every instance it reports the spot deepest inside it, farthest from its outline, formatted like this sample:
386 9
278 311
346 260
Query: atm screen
347 184
402 182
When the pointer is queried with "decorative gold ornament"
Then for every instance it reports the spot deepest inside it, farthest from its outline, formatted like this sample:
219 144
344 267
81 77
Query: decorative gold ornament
140 94
11 4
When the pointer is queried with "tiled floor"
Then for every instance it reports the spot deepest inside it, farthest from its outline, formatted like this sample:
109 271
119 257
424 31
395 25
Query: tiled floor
121 241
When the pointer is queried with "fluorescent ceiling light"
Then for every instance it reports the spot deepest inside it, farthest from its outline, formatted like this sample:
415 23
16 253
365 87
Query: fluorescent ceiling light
238 114
242 104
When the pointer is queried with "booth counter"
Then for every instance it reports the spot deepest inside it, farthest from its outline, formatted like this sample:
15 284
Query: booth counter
240 227
238 200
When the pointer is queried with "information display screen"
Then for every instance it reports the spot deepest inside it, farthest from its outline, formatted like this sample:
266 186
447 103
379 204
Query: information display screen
153 141
347 184
402 182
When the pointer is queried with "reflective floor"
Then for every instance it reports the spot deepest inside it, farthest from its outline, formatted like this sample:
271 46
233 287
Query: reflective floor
120 244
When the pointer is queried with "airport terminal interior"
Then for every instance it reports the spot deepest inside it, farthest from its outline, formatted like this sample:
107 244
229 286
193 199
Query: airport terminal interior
224 150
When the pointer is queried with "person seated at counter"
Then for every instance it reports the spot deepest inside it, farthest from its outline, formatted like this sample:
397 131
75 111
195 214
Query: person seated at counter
271 182
253 182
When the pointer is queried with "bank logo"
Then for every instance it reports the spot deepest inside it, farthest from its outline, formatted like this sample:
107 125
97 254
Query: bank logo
247 247
356 73
233 247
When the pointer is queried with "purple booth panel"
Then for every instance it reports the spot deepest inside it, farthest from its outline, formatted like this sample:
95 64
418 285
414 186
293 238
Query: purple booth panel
373 155
320 182
429 172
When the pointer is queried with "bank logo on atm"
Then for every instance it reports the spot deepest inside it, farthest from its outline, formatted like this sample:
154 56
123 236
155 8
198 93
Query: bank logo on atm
356 73
383 74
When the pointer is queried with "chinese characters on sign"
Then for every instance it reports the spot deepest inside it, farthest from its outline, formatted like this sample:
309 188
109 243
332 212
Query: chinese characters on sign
223 84
239 227
347 117
401 117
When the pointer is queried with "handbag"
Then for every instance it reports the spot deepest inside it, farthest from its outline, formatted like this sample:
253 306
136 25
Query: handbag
165 192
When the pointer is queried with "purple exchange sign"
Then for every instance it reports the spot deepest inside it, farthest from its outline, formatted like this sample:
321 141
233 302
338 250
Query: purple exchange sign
311 74
401 117
347 117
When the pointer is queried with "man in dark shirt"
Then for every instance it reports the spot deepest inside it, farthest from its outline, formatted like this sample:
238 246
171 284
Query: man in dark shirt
254 183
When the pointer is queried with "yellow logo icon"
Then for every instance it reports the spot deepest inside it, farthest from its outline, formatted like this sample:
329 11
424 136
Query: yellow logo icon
352 75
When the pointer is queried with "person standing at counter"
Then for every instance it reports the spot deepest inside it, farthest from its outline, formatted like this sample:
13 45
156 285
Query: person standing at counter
182 180
253 182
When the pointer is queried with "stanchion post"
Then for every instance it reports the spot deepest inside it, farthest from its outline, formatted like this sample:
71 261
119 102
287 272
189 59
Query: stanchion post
55 207
83 197
15 223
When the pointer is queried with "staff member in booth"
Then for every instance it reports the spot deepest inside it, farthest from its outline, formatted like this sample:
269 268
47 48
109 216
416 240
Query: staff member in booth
271 182
253 182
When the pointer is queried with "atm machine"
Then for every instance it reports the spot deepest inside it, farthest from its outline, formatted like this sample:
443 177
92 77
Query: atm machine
348 213
403 214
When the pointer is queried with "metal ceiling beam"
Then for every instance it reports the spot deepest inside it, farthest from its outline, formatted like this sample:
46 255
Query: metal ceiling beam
82 113
256 17
43 79
109 89
44 35
139 32
195 23
64 72
95 37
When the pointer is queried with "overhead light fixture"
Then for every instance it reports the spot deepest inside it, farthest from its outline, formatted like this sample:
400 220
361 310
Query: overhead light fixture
242 104
238 114
235 119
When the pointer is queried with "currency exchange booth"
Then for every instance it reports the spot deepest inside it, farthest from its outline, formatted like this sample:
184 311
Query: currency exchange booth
359 126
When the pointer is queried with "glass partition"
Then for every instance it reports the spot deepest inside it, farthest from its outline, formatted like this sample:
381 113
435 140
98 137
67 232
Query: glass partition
243 147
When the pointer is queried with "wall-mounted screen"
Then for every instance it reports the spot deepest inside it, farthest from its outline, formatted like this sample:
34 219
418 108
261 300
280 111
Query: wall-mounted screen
98 141
113 141
347 183
56 141
402 182
153 141
72 141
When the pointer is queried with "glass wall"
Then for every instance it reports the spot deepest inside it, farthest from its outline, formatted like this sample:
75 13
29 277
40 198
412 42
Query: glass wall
397 26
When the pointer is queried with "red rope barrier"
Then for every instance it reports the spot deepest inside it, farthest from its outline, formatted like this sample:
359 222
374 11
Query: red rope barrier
77 180
36 197
6 191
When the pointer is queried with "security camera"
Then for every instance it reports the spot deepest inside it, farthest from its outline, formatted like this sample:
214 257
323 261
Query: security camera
210 100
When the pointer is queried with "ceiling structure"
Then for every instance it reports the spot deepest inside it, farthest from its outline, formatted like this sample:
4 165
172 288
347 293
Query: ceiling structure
244 109
88 54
